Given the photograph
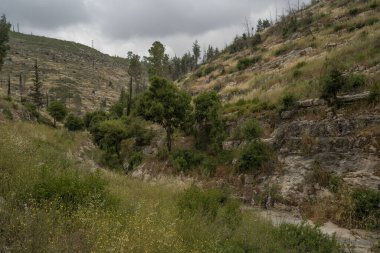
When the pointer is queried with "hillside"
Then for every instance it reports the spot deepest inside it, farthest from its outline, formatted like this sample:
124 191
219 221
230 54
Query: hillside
287 58
83 77
246 168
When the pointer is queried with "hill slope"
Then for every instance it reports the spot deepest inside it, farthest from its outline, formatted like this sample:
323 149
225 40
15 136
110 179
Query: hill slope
288 57
82 76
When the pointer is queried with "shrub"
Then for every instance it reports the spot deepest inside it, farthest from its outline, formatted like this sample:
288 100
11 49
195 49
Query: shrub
138 128
354 81
211 204
288 102
366 207
91 119
210 127
209 166
253 156
251 130
57 110
32 109
332 81
74 123
353 12
304 239
247 62
69 189
135 159
185 160
374 94
108 135
8 113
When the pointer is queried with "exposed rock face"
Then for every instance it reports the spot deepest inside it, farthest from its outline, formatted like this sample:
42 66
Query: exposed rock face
347 147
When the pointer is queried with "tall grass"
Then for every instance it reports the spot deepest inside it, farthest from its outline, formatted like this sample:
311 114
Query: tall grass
49 202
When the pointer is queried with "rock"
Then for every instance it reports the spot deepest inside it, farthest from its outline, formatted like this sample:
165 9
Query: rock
150 151
287 114
248 179
331 45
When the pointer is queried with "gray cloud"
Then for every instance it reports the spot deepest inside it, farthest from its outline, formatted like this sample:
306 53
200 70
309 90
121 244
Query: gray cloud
118 26
149 18
45 14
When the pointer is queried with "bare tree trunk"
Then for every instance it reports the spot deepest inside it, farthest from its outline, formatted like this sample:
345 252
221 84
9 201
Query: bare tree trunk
9 86
130 96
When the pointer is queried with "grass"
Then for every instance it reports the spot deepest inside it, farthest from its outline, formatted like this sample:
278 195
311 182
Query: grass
110 212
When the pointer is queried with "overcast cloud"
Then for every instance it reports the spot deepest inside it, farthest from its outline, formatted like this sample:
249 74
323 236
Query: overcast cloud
118 26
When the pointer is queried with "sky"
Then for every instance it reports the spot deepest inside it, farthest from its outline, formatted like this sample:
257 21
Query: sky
119 26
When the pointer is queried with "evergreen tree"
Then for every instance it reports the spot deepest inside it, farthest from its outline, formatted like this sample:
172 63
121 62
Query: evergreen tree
166 105
196 53
157 60
36 90
4 38
135 72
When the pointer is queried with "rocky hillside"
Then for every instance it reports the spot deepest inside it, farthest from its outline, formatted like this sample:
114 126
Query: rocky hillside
85 78
287 58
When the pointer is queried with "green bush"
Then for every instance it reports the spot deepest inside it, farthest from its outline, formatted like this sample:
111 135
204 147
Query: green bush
185 160
74 123
212 204
353 12
366 207
306 239
135 159
354 81
209 166
332 81
57 111
253 156
108 135
69 189
244 63
288 102
91 119
374 94
8 113
139 129
251 130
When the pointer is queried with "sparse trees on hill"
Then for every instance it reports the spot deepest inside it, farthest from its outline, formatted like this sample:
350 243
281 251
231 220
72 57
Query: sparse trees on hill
36 90
4 38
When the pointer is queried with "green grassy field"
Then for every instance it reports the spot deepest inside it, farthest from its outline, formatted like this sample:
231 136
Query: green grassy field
50 202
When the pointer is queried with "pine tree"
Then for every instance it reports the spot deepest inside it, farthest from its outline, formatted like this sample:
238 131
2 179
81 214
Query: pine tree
4 38
196 53
36 90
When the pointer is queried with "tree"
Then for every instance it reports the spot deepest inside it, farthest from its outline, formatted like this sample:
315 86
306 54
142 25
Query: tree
210 128
332 81
196 53
36 90
166 105
253 156
157 60
4 38
57 110
135 72
74 123
108 135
